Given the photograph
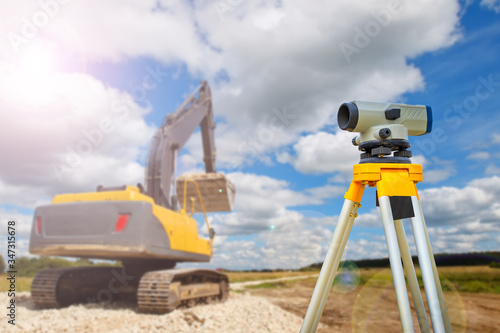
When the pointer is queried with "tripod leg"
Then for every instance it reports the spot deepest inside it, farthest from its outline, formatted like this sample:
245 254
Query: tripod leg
426 268
411 277
329 268
444 310
337 259
396 267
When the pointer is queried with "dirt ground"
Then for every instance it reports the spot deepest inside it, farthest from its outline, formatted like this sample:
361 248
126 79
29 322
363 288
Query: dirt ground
374 309
371 308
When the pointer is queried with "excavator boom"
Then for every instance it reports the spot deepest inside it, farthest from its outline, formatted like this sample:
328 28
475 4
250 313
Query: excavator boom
172 136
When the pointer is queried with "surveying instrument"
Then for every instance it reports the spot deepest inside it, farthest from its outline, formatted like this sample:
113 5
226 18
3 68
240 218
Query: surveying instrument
385 164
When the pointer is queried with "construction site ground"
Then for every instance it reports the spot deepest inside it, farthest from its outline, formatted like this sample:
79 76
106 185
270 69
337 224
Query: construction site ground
276 304
373 309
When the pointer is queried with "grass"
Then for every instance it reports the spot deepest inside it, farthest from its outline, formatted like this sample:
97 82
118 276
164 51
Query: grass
475 279
270 285
22 283
235 277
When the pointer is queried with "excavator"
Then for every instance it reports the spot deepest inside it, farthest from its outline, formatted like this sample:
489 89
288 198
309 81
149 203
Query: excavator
141 226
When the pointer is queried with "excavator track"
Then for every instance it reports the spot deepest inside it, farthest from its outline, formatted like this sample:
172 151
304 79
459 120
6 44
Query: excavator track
156 291
44 286
55 288
163 291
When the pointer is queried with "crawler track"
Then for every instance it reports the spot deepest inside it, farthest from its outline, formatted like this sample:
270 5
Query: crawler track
44 288
156 291
153 294
54 288
163 291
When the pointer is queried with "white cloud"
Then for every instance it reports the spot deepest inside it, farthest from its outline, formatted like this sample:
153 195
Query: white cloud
496 138
438 175
311 25
187 164
22 231
458 219
420 159
23 222
296 244
492 5
262 203
369 248
111 31
477 201
296 240
371 219
435 170
23 195
472 236
79 135
327 191
265 194
451 235
289 56
240 148
324 152
492 169
303 241
277 71
480 155
274 57
291 49
242 254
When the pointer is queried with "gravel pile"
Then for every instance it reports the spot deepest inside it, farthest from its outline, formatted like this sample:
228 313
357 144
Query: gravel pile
240 313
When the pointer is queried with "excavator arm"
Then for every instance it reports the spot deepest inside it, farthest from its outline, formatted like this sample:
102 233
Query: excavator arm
169 139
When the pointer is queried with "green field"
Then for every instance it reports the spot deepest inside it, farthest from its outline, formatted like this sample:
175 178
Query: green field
482 279
22 283
460 278
255 276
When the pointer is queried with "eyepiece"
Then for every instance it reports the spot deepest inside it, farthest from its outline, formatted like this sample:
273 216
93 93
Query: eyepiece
347 117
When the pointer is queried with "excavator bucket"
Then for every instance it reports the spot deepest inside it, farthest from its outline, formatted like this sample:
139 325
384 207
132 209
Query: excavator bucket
217 192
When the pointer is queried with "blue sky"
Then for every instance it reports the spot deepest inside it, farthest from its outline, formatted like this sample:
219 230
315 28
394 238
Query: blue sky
262 61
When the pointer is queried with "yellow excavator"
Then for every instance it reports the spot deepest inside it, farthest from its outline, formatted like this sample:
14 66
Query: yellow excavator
142 227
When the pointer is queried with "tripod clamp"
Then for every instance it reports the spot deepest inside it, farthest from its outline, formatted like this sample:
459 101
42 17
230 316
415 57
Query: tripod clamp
379 151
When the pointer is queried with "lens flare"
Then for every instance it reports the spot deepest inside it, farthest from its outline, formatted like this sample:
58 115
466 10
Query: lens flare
34 80
37 59
39 62
347 279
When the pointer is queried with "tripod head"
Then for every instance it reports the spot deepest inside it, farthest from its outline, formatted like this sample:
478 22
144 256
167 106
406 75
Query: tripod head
384 128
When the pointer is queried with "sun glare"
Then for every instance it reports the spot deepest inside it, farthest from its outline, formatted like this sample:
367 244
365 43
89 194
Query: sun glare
36 72
37 59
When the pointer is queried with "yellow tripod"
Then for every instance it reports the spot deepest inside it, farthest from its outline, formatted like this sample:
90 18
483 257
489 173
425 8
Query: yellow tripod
398 199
